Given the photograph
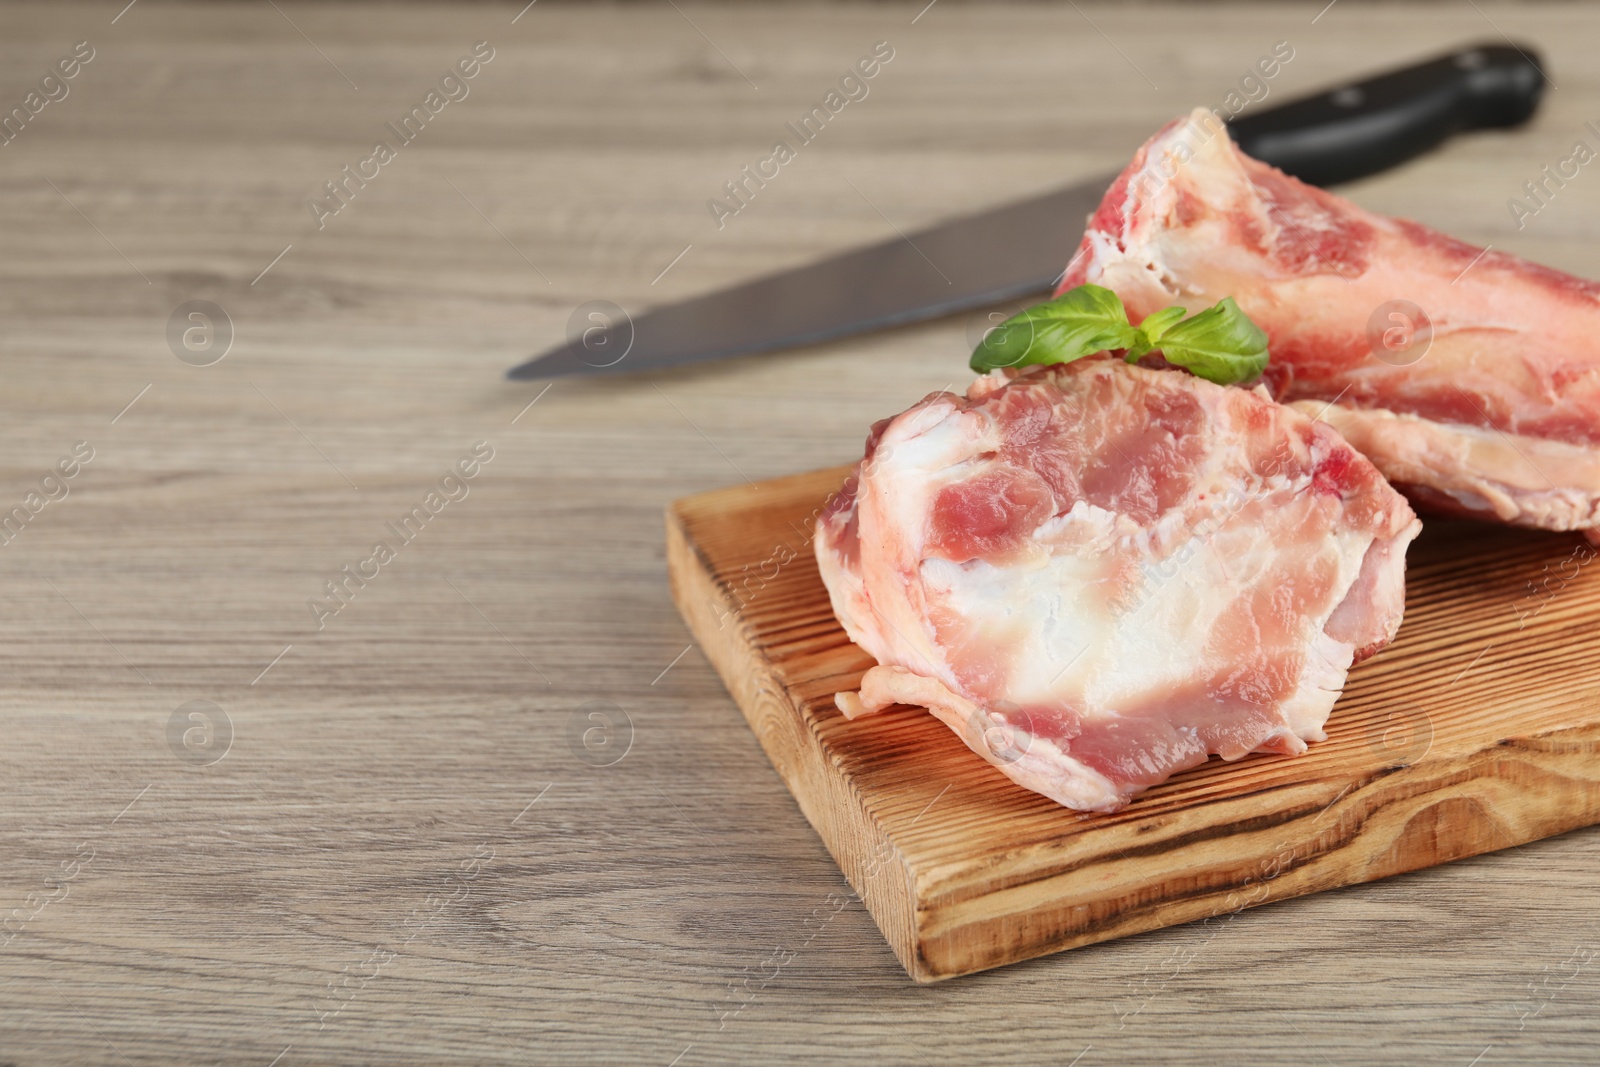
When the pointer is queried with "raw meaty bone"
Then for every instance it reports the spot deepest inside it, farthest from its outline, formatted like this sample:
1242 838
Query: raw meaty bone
1097 574
1470 378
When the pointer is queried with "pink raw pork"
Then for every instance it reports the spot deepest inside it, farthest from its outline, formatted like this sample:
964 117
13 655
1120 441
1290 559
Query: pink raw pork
1098 574
1470 378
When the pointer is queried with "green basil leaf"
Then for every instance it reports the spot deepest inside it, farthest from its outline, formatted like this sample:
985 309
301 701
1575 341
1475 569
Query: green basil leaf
1220 344
1151 330
1078 323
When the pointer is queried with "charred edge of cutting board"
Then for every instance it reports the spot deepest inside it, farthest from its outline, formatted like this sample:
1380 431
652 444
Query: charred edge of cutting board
860 845
1508 793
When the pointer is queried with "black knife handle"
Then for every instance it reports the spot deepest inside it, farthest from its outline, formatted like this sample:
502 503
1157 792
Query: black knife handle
1371 125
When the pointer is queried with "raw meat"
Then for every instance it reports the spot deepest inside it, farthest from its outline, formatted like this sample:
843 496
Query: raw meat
1097 574
1470 378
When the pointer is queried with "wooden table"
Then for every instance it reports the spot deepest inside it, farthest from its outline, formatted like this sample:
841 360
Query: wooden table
401 837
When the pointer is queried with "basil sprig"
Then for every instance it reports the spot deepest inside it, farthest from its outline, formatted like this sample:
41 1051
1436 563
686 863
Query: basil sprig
1219 344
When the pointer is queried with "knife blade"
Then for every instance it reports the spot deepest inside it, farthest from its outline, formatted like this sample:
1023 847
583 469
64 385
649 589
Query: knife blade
1021 248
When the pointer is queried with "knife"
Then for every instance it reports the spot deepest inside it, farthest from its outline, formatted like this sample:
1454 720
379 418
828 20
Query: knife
1021 248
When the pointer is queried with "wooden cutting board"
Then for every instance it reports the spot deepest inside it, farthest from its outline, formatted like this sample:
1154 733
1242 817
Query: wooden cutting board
1476 730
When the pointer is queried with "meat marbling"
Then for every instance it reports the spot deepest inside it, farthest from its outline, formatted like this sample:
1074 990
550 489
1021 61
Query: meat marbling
1097 574
1486 404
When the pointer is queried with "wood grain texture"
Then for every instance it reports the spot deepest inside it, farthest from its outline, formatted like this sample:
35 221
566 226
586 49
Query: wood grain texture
637 912
1421 765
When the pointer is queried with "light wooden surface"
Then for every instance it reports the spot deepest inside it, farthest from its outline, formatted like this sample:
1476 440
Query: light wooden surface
1425 762
306 896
